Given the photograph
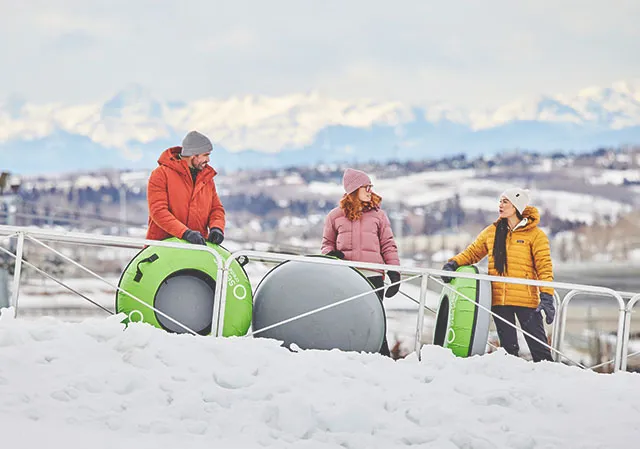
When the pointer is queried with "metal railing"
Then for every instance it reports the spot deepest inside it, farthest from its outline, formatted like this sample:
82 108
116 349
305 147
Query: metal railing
634 298
37 235
425 274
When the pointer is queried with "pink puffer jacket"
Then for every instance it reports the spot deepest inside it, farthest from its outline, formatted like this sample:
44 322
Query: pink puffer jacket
368 239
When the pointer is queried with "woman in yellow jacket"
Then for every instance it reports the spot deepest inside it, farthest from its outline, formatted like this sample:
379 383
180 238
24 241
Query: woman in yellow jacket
516 247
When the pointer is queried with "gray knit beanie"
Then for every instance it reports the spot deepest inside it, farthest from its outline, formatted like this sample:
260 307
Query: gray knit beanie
195 143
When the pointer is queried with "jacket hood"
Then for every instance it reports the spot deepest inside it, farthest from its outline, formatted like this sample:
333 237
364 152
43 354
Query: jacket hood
171 158
531 214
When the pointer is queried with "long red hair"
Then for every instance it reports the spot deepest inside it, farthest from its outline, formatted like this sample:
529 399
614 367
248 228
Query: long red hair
353 207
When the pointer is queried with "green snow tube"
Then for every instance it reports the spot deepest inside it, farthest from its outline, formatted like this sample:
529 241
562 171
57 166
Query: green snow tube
181 284
461 325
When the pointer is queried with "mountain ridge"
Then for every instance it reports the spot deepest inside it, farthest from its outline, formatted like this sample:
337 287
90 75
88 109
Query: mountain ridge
132 128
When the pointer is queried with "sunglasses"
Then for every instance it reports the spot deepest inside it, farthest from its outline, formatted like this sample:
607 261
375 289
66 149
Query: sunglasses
368 188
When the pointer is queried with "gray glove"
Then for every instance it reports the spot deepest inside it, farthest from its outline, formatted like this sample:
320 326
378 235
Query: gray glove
546 304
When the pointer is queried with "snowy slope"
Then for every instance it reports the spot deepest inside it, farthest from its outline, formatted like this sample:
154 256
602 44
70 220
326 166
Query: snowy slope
423 189
94 385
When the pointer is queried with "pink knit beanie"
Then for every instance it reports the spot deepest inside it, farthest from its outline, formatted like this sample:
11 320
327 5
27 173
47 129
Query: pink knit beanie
352 180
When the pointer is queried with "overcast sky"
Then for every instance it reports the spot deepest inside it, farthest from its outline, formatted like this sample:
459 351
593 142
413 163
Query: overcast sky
467 53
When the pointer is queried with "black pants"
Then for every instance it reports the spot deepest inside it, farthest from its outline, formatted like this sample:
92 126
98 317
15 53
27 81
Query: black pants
530 321
377 282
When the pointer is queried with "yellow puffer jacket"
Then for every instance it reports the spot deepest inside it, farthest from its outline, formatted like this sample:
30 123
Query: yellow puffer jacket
528 256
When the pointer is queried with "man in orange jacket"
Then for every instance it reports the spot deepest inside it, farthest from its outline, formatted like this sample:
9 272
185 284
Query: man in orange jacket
182 196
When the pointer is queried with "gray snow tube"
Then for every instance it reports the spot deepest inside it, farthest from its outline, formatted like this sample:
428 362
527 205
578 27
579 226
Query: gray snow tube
293 288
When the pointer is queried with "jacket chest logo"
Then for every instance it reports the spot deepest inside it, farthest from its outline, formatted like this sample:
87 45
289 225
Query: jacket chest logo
520 241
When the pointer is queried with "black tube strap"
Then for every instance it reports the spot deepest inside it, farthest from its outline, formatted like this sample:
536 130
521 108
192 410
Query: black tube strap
152 258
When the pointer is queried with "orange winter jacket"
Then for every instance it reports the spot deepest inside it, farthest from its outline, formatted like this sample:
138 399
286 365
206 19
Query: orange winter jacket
528 256
176 203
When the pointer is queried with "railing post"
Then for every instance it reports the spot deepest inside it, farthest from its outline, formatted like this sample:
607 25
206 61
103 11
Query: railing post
424 281
4 287
556 326
17 271
620 363
562 322
625 340
220 300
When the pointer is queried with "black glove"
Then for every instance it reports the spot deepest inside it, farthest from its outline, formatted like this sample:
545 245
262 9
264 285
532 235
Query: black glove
546 304
452 265
216 236
394 276
194 237
336 253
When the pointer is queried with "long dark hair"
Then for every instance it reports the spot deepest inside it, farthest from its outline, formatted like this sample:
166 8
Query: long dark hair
500 244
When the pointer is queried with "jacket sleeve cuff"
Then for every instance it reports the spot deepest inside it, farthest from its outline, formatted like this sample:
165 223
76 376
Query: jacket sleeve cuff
547 290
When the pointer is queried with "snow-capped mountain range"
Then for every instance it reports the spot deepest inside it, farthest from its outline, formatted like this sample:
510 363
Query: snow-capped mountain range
130 129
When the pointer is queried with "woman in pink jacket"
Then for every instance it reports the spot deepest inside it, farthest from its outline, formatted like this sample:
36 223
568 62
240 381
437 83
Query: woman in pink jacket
359 230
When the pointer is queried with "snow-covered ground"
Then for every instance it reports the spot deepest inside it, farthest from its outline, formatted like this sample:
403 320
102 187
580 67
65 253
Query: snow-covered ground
96 384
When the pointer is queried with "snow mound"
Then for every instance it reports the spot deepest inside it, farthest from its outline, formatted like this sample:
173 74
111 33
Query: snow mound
96 384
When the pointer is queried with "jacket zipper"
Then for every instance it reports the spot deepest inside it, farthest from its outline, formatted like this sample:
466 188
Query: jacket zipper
359 236
504 285
193 190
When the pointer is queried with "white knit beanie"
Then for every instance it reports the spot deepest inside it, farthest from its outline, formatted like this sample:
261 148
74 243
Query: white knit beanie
519 198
